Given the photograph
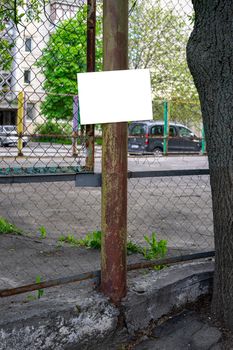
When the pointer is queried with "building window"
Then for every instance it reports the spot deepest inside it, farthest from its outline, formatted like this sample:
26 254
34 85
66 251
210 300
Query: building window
59 14
30 114
28 44
27 76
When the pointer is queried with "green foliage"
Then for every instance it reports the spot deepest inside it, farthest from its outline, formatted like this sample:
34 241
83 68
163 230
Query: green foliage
6 227
5 54
157 40
70 239
18 11
156 249
98 141
55 132
91 240
43 232
192 18
61 60
31 297
183 111
186 112
133 248
12 14
40 292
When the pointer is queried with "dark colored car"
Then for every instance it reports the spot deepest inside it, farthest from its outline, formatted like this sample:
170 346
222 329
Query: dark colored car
146 137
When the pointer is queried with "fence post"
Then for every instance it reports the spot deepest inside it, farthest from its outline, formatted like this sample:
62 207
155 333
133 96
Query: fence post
20 122
165 131
114 161
75 126
91 33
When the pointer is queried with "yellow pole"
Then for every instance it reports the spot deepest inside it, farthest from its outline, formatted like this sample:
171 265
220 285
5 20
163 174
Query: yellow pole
20 114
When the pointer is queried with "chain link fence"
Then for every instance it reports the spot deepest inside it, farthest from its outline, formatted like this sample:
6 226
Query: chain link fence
40 135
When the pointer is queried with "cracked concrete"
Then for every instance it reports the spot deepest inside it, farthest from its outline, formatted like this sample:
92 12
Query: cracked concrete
184 331
81 318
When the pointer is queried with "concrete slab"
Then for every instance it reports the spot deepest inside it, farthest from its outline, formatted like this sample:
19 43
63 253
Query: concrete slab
81 318
182 332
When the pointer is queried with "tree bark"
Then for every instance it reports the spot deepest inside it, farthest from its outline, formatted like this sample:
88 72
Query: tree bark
210 59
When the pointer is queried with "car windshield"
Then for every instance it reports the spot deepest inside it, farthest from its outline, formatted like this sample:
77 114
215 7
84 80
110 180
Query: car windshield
184 132
139 129
10 128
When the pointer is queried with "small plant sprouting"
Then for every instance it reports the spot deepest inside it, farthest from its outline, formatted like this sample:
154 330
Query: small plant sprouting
31 297
40 292
6 227
156 249
69 239
91 240
43 232
133 248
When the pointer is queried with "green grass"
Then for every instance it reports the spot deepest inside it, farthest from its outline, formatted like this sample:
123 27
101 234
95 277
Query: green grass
6 227
91 240
70 239
133 248
42 232
154 249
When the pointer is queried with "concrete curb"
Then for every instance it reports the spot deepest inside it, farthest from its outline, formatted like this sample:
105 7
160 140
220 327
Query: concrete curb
158 293
89 321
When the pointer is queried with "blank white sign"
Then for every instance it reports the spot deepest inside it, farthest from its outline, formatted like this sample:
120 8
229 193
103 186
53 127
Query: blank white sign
115 96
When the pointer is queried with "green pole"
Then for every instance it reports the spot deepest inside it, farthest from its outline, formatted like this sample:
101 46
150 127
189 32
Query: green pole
203 144
165 130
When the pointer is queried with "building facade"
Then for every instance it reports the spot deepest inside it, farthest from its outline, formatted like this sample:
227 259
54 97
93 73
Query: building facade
30 38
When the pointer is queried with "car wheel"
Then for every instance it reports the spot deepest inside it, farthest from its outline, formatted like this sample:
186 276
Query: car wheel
158 152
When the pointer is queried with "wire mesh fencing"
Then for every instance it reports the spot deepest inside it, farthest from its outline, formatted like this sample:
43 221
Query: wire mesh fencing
176 209
43 47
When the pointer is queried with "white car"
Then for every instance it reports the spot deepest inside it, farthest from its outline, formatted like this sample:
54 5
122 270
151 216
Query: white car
9 136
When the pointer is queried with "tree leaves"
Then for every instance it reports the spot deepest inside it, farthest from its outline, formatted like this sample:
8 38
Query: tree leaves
61 60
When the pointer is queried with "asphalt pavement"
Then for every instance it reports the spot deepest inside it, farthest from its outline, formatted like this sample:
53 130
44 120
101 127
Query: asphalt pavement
187 330
46 155
177 209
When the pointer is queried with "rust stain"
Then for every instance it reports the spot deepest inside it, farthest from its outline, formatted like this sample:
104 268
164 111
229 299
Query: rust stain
114 162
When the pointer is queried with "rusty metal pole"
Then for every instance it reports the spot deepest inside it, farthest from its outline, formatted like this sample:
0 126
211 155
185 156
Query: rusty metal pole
114 161
91 33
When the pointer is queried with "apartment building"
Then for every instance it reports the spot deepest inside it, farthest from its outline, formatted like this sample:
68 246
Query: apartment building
30 38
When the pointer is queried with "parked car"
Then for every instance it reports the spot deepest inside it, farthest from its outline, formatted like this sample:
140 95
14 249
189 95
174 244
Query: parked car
9 136
146 137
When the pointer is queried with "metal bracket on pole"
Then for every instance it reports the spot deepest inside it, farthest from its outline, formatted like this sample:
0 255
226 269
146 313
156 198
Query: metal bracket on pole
88 180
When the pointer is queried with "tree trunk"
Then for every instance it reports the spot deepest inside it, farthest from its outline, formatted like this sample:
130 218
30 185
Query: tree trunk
210 59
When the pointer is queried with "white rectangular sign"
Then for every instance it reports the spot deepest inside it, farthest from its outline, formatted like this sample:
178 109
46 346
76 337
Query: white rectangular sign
115 96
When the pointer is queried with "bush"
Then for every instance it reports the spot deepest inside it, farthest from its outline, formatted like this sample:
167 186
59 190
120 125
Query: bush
60 133
54 132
